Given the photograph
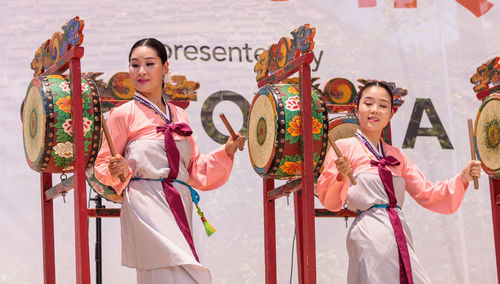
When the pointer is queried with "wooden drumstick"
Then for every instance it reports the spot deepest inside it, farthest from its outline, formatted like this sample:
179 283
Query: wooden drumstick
228 126
472 151
110 143
339 154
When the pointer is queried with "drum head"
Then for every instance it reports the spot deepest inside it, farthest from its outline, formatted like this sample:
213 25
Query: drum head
487 135
262 130
33 123
343 126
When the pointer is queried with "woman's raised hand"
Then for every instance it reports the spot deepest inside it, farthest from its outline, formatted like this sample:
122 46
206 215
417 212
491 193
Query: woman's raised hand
117 165
471 170
233 144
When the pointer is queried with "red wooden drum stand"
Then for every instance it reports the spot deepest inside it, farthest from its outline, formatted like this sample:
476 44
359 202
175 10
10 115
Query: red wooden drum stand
71 61
54 57
276 64
303 199
486 138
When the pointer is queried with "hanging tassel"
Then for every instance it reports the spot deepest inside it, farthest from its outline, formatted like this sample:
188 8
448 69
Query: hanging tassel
208 228
196 198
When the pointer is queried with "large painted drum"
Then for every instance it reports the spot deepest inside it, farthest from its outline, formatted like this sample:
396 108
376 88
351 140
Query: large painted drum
487 135
47 124
275 131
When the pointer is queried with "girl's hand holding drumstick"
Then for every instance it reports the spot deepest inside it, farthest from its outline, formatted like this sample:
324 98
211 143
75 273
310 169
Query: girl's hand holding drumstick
235 141
117 165
472 170
342 163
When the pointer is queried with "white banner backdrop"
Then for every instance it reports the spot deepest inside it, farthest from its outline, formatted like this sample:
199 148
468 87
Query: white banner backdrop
431 50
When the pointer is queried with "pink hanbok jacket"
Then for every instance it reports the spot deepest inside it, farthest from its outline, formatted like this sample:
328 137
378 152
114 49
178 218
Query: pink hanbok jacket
443 197
133 121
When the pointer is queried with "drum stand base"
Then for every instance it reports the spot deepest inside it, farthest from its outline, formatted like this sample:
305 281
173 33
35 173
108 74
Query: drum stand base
98 240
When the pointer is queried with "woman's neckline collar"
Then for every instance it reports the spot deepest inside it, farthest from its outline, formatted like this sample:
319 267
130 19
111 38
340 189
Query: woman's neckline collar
375 147
167 109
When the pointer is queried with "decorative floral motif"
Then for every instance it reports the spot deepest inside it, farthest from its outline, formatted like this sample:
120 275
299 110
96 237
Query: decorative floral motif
87 123
65 87
295 126
73 30
57 45
292 168
68 126
496 63
293 90
303 37
293 103
64 150
316 126
64 103
262 65
97 187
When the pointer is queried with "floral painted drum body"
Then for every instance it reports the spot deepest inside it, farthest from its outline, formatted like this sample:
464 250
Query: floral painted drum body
275 131
47 124
106 192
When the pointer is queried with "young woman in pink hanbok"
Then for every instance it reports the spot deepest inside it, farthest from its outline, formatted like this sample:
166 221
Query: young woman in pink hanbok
160 161
379 241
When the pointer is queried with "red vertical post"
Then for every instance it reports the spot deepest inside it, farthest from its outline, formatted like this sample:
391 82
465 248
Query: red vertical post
495 213
299 229
80 206
269 233
49 271
307 177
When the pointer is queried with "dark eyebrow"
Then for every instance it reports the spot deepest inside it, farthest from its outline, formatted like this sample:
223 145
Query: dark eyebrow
371 98
149 57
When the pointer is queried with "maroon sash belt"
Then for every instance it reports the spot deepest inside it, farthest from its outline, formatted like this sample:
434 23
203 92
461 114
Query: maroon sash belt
172 195
405 274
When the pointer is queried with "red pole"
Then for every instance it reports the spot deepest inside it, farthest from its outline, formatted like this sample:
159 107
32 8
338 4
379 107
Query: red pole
495 213
269 233
307 177
49 271
299 229
81 222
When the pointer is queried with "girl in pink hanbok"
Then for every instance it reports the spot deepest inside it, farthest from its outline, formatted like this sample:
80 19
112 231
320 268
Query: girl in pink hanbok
160 162
379 241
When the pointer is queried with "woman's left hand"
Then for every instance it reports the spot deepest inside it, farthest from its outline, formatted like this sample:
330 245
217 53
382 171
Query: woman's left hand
471 170
232 145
